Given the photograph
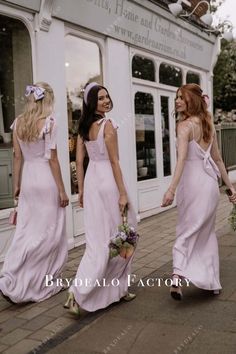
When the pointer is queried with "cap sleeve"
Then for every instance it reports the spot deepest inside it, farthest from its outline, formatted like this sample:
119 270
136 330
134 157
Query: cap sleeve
100 140
50 135
115 126
13 126
104 120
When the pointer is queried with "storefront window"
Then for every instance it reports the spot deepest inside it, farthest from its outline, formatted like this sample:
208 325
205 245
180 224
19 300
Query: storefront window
15 74
83 64
165 135
192 78
143 68
170 75
145 136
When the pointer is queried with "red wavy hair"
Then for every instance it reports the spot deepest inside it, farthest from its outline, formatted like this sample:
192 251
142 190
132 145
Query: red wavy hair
196 106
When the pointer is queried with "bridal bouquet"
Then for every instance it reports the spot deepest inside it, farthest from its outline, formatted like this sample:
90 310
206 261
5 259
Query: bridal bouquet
124 242
232 215
232 218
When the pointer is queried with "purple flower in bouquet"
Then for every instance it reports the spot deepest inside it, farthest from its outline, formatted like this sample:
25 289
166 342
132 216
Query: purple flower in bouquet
124 242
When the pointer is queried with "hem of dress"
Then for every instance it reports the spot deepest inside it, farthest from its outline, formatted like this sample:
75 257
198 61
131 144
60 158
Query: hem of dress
21 301
100 307
195 283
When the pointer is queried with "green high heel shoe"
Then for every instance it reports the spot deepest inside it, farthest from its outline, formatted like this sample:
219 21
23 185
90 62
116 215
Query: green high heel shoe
72 305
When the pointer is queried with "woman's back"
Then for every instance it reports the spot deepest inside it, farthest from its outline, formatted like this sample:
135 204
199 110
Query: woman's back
198 155
197 133
96 146
94 131
39 149
39 246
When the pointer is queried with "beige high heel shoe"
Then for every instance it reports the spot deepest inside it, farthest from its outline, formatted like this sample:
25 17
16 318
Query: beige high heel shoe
72 305
129 297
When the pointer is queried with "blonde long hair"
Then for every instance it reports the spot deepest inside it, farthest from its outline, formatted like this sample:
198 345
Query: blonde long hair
27 122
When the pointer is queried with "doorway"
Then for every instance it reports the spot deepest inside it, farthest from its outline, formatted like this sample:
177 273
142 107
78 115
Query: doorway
155 145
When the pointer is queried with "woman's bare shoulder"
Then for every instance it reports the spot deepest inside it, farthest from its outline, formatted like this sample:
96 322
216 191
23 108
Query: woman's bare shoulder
194 120
184 124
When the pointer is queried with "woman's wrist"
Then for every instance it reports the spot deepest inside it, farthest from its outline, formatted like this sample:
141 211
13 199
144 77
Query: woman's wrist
230 185
232 189
123 194
171 190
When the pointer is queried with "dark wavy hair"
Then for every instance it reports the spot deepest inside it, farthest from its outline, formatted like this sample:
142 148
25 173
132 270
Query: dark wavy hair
88 113
196 106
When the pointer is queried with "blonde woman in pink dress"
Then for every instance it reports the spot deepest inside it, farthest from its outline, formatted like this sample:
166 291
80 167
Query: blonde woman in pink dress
199 164
100 280
39 246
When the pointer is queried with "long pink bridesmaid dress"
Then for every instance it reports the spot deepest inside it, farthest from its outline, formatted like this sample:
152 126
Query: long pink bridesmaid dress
94 289
195 252
39 246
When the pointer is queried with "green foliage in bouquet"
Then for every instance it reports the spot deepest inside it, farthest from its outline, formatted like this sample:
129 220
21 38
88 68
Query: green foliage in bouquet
232 218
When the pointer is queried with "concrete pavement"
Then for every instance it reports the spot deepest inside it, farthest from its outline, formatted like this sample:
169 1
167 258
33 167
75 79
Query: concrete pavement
152 323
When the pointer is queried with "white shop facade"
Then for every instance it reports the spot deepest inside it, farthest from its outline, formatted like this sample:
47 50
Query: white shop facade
138 50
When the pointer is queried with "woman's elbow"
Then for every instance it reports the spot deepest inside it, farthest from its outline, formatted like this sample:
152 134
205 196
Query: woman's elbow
181 160
115 163
79 163
217 159
18 157
219 162
53 160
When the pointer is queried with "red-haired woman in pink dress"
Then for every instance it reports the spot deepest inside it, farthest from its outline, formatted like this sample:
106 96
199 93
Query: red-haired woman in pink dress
199 164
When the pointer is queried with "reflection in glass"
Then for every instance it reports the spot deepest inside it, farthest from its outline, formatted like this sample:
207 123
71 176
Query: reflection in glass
83 64
165 135
170 75
145 136
143 68
15 68
192 78
15 74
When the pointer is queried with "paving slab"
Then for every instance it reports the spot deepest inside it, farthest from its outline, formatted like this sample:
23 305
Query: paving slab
22 347
15 336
